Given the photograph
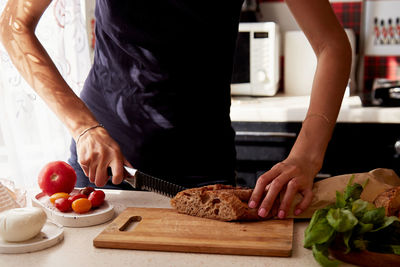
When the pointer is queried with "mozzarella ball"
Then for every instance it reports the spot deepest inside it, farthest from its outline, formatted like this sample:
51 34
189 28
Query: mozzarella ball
21 224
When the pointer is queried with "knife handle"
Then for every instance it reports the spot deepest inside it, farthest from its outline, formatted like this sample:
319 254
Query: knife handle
130 179
109 172
129 170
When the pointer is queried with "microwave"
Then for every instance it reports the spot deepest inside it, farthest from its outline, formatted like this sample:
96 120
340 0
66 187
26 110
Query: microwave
256 62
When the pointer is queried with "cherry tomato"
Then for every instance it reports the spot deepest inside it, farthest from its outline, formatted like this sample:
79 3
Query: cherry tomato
87 190
97 198
57 196
81 205
62 204
72 198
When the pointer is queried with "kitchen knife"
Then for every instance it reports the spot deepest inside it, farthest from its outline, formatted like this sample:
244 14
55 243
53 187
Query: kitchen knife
142 181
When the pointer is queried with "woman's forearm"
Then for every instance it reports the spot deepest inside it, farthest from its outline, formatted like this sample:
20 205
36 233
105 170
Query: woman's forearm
331 78
17 25
332 48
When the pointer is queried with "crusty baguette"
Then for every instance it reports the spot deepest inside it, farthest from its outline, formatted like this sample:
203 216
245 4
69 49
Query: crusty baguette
7 199
390 200
219 202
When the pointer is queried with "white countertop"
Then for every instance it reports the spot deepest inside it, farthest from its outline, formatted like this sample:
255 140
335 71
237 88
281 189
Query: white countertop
281 108
77 247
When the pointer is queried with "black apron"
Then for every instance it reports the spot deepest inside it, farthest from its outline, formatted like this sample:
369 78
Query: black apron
160 84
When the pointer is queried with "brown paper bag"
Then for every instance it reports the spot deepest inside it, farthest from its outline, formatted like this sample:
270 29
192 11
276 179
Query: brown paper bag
324 191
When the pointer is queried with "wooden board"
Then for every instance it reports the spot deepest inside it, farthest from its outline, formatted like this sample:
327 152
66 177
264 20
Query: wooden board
167 230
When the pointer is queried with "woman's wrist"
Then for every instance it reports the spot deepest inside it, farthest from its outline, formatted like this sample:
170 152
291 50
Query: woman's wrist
77 127
87 130
313 140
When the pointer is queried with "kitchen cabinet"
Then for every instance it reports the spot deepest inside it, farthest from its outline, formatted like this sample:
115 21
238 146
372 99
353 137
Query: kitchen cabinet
364 138
354 147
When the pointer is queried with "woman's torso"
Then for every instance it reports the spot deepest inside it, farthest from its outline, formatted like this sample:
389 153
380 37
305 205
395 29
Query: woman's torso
160 84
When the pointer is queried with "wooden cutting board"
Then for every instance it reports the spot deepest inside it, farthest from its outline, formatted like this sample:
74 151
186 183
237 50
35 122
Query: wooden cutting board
167 230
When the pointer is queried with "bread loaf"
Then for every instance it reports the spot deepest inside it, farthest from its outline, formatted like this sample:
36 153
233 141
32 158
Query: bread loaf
390 200
7 200
219 202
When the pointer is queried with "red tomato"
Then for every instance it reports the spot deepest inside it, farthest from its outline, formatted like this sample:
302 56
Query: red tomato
62 204
75 197
57 176
87 190
97 198
81 205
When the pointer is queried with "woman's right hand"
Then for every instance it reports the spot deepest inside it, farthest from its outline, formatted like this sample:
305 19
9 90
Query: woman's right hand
96 152
96 149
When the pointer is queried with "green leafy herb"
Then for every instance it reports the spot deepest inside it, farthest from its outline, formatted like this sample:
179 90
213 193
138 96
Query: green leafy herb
352 191
396 249
321 255
363 227
375 216
386 222
360 207
358 223
342 220
340 200
346 240
320 233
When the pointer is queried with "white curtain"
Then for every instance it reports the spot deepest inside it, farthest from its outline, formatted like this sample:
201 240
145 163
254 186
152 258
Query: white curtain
32 135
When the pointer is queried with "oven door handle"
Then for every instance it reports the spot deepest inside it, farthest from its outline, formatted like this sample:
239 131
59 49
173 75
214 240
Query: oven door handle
266 134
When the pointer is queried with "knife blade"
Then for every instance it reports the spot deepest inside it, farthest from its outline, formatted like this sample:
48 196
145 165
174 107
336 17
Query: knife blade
142 181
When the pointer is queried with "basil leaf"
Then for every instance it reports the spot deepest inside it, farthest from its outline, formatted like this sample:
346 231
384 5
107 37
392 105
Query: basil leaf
353 192
387 221
340 201
355 219
351 180
318 215
396 249
320 233
362 228
359 207
321 253
375 216
342 220
346 240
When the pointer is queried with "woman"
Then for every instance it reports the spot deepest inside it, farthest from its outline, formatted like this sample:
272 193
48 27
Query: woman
158 95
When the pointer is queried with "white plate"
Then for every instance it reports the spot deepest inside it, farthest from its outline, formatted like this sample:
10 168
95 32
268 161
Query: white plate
96 216
50 235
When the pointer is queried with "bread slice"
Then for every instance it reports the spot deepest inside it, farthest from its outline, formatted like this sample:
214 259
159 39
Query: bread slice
219 202
7 201
390 200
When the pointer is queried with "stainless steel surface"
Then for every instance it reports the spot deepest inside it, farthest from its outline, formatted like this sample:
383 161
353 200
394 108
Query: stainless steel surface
266 134
394 93
132 178
323 175
142 181
397 147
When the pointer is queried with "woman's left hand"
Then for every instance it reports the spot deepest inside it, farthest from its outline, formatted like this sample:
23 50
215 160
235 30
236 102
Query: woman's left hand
294 175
